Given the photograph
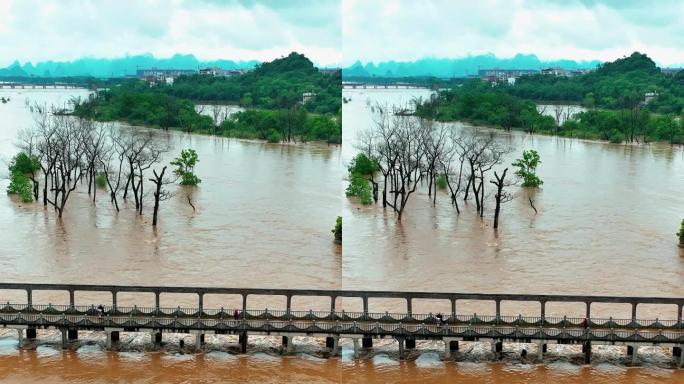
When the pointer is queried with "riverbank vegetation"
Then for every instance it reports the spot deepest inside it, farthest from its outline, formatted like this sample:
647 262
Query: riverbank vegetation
620 84
287 100
629 100
279 84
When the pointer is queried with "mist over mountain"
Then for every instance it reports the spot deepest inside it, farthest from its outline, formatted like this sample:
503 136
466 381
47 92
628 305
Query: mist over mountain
458 67
117 67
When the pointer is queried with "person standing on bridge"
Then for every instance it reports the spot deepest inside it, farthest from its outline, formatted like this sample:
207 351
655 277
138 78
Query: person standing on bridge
236 315
585 323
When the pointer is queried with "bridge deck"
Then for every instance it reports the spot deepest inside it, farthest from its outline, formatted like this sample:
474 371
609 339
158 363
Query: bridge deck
405 326
416 326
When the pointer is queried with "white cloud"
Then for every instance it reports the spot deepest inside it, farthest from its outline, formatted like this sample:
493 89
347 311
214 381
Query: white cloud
552 29
65 30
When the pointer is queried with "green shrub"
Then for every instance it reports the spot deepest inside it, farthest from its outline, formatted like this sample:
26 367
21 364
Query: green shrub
360 187
185 167
20 185
527 167
273 136
616 137
441 182
101 180
363 165
337 229
24 164
681 234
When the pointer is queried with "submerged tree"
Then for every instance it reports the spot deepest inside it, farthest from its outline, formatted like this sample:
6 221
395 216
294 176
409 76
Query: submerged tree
361 173
527 167
22 173
185 167
501 195
337 229
160 194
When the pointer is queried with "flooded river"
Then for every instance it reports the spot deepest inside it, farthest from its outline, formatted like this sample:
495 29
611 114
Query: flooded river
606 223
263 218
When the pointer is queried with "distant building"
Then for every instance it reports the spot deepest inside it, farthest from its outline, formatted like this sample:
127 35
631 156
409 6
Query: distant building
555 71
649 96
220 72
306 96
496 76
558 71
154 75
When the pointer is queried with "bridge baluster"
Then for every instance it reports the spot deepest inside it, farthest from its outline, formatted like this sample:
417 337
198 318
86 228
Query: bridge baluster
588 313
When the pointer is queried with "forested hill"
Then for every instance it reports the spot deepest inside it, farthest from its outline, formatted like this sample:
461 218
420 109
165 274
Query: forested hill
272 85
614 85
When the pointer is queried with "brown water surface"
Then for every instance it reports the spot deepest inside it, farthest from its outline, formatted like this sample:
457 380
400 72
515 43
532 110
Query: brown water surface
606 223
263 218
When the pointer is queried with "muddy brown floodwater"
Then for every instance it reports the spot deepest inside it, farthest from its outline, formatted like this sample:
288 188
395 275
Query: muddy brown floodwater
263 218
606 224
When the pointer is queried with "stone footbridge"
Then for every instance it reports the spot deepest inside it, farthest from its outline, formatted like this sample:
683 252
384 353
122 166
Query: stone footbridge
361 326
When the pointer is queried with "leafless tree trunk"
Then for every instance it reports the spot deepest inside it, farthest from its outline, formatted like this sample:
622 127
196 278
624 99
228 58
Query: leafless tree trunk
501 196
159 193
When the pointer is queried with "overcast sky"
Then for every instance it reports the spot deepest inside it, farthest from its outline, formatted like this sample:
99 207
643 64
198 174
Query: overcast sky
40 30
382 30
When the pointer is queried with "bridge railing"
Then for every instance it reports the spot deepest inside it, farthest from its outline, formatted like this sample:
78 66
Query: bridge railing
452 317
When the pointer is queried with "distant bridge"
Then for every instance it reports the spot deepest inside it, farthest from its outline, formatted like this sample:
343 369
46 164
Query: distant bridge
333 324
54 85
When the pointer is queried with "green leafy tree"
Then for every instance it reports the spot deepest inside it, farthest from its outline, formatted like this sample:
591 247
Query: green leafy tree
20 185
337 229
360 187
24 163
22 169
363 165
527 167
185 167
361 170
441 182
